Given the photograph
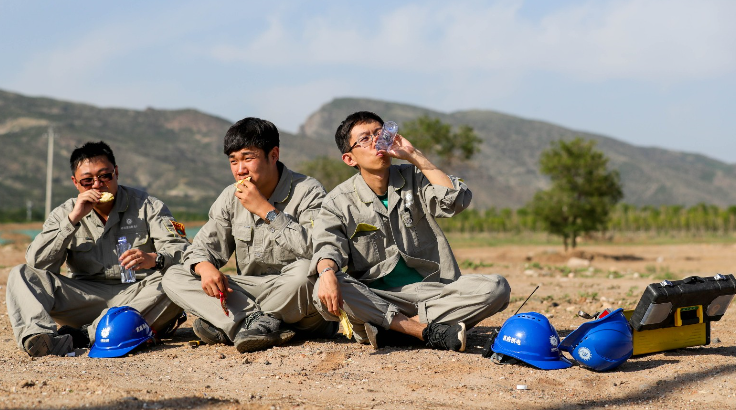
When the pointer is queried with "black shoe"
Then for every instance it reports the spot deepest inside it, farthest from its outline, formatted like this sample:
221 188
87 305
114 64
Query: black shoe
209 333
260 332
380 337
168 330
42 344
445 337
80 337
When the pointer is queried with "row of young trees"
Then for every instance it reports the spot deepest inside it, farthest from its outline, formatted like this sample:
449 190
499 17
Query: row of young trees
623 218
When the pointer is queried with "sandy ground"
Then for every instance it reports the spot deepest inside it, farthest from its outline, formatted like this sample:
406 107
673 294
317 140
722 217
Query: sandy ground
338 374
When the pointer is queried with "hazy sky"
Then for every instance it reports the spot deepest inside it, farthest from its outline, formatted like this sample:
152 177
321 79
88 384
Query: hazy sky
652 73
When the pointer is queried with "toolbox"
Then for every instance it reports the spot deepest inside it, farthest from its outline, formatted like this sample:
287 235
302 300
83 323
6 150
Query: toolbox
675 314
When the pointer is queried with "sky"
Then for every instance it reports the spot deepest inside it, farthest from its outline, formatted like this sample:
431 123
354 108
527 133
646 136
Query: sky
649 72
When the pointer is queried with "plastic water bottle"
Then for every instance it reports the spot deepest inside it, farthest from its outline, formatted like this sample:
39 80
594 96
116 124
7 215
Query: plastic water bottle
126 275
386 139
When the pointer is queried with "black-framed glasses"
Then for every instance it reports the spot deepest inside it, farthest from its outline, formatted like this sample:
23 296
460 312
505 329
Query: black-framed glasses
366 140
88 182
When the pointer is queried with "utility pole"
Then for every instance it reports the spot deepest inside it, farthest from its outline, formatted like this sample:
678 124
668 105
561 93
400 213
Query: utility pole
49 171
29 210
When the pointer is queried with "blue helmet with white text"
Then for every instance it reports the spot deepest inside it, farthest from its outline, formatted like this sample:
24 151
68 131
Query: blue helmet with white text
530 338
121 330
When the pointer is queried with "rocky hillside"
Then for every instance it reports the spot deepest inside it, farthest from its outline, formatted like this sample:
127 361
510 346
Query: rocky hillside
177 155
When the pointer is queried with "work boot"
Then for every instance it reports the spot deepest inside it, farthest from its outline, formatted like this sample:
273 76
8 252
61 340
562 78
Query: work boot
80 336
42 344
445 337
260 332
167 332
208 333
380 337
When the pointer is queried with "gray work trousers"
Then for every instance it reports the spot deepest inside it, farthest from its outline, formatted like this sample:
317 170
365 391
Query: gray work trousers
469 299
285 296
39 300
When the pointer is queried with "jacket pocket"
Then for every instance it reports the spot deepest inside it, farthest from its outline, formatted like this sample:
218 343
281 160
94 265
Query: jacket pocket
243 235
366 248
81 244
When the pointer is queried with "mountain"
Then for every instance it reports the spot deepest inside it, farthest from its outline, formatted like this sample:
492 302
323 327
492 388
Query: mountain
506 173
176 155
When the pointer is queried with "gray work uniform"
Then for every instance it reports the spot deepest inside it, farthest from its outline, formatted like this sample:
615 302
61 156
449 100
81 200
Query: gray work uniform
272 259
39 297
355 230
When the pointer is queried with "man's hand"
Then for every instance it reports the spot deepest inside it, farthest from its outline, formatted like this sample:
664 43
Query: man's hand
328 290
402 149
213 281
251 198
136 259
86 201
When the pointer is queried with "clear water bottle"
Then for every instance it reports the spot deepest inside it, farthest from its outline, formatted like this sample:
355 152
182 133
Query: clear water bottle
126 275
386 139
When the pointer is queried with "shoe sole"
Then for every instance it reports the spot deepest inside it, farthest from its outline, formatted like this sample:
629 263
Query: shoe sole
263 342
372 333
43 344
203 332
462 336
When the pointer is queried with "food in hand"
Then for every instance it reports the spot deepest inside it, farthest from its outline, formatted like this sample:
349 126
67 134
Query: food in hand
106 197
347 327
223 304
240 182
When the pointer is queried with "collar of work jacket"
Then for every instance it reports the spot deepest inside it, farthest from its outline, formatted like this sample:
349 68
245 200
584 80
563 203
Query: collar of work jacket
396 181
282 192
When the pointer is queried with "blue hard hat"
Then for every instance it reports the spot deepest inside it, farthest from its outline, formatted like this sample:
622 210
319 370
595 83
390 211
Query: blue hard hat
530 338
121 330
601 344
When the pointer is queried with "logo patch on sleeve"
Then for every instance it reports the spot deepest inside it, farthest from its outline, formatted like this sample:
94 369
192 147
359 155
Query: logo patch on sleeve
178 228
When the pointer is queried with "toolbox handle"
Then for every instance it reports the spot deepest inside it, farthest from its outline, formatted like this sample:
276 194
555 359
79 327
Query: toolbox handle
693 279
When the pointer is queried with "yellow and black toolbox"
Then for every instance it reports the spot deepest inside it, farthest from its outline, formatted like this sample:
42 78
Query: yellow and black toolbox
675 314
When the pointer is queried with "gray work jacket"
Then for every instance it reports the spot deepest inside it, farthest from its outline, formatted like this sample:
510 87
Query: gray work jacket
260 248
88 248
355 230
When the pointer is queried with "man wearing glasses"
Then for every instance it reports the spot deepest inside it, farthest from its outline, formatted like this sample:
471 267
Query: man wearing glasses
83 233
382 258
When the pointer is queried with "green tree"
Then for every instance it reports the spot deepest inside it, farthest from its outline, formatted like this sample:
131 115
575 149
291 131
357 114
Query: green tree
583 189
330 172
432 136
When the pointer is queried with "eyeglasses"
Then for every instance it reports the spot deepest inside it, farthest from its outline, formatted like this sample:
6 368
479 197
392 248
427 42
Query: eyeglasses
88 182
366 140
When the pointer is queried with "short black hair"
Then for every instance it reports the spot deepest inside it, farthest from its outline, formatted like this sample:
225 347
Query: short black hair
342 135
88 151
251 132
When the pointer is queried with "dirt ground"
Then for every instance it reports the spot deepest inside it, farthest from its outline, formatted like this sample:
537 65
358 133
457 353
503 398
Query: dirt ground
340 374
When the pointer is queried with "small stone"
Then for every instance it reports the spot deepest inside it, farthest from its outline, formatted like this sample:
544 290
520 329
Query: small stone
222 356
246 361
715 340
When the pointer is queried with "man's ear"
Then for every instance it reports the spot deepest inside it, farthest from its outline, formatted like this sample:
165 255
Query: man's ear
348 159
274 154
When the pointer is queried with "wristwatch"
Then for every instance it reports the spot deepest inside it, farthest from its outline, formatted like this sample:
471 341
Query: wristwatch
271 216
160 260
